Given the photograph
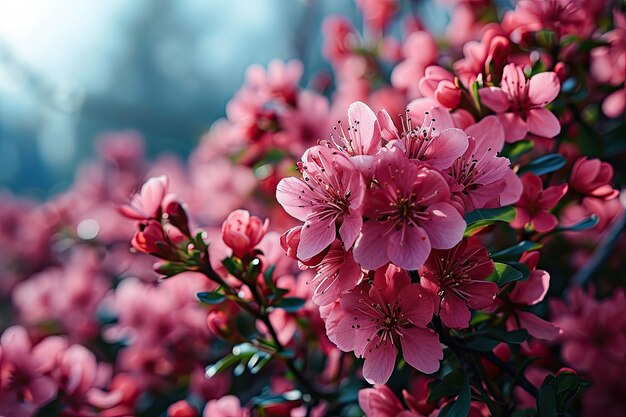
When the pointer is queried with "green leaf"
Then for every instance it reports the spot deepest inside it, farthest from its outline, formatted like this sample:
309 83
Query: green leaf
211 297
449 386
169 269
483 344
290 304
526 412
515 336
221 365
461 406
546 402
479 219
267 276
545 164
503 274
475 96
513 253
233 266
479 317
254 269
515 150
584 224
557 392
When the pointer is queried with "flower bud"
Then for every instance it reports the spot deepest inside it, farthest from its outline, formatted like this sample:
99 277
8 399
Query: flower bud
448 94
177 216
181 409
242 232
593 177
151 239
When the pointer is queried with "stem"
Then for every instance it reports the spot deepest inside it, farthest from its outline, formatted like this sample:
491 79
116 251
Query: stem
461 349
262 315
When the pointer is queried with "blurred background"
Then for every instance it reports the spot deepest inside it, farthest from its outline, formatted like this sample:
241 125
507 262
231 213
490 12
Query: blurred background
72 69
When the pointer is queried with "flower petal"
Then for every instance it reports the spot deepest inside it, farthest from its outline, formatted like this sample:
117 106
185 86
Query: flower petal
495 99
453 312
444 227
421 349
370 249
380 359
409 247
543 88
316 235
543 123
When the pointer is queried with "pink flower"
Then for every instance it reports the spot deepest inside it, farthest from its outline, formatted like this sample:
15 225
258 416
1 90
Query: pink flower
561 16
340 39
593 177
439 84
242 232
409 212
479 178
594 331
329 196
146 204
380 401
420 51
24 385
378 317
227 406
486 58
535 204
456 277
76 371
280 81
336 274
377 13
528 293
181 409
436 142
152 239
519 103
290 240
362 139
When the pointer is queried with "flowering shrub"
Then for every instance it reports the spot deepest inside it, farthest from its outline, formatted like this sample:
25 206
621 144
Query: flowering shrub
440 235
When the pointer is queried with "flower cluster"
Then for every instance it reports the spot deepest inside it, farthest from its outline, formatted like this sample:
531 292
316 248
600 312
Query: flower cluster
447 209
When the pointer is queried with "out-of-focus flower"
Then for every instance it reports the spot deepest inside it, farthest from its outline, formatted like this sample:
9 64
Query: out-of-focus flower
146 204
24 385
380 401
561 16
377 13
420 51
227 406
181 409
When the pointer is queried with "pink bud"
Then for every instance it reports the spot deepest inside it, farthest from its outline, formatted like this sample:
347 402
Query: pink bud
242 232
181 409
593 177
176 215
127 386
448 94
151 239
290 240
